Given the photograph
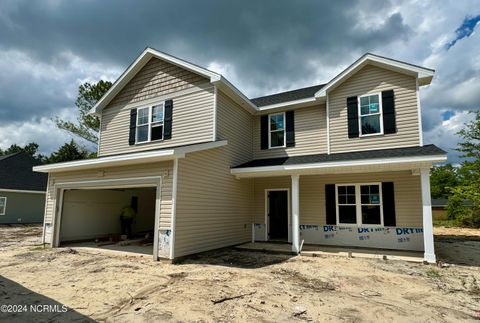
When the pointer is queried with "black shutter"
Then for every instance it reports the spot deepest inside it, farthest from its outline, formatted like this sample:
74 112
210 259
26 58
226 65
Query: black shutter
388 106
167 120
264 132
330 206
290 128
352 111
133 127
388 198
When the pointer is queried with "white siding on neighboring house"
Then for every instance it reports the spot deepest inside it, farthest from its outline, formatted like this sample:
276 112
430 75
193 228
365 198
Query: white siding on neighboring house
372 79
310 134
214 208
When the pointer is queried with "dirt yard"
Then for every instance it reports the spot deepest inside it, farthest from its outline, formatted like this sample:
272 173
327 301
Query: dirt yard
239 286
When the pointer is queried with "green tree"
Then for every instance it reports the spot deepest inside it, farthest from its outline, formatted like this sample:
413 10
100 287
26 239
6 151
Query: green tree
31 149
87 125
469 188
68 152
442 179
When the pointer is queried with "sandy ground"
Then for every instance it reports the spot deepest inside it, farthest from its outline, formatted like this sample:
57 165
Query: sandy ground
264 287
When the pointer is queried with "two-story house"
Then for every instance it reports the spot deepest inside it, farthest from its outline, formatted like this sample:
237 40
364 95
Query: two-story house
204 167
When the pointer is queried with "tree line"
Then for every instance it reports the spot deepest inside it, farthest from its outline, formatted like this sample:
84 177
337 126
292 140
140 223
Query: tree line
460 184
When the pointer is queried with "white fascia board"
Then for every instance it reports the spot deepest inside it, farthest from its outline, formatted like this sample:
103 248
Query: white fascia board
290 104
282 169
232 91
181 151
128 159
21 191
141 60
423 74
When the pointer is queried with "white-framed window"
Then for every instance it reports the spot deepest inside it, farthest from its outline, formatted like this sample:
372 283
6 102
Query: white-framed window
3 205
276 130
370 114
150 123
359 204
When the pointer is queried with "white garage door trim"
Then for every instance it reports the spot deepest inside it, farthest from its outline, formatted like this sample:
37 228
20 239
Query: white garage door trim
151 181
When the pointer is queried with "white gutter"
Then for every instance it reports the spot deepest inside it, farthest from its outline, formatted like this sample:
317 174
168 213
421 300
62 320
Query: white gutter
22 191
287 104
298 168
128 159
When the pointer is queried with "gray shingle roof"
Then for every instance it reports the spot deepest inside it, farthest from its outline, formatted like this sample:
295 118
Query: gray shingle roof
298 94
16 173
427 150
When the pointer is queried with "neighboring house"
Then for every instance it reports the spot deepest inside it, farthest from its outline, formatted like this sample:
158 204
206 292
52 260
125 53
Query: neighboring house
22 191
439 209
342 163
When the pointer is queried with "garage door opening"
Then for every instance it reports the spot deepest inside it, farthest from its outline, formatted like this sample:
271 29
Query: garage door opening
93 218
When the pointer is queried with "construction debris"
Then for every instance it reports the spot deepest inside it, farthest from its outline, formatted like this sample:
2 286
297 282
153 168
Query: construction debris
221 300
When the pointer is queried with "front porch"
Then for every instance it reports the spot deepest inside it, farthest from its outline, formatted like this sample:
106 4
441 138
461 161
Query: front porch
311 250
378 204
397 216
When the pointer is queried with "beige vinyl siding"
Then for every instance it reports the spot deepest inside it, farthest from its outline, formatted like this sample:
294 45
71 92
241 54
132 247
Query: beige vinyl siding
164 169
372 79
156 78
310 135
214 208
408 201
192 122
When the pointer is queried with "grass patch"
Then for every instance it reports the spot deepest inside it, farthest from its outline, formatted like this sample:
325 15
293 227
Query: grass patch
445 223
433 273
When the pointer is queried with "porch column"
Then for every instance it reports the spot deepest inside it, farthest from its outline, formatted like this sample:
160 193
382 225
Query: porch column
295 214
429 254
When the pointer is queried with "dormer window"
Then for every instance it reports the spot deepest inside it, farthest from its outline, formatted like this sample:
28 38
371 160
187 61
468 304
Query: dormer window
276 126
370 112
150 122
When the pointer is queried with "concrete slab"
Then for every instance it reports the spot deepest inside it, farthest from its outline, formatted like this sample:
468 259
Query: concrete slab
114 249
321 250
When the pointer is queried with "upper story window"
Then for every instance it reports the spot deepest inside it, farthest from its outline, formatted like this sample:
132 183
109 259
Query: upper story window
276 133
3 205
370 112
359 204
150 123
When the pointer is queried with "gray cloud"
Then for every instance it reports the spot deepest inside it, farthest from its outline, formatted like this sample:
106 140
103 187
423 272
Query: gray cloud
47 48
268 43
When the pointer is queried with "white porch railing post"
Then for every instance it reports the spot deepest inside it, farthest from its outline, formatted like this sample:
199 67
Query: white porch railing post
295 214
429 249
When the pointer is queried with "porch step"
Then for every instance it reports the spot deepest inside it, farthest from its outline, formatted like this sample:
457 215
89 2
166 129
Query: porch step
271 248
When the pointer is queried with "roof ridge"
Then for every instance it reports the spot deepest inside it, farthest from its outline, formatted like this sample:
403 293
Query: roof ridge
3 157
289 91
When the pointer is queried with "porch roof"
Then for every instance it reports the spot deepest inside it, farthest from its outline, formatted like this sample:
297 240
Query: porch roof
370 160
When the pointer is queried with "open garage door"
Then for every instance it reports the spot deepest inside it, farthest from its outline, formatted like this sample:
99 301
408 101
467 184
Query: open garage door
121 219
121 215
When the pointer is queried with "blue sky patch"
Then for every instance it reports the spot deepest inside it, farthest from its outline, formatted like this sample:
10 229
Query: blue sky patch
447 115
465 30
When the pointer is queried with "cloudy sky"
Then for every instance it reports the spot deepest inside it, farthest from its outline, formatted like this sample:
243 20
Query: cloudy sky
49 47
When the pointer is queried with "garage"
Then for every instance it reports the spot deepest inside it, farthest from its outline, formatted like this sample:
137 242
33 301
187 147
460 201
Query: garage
118 219
88 214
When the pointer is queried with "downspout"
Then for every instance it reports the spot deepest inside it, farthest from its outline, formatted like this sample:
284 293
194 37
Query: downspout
45 210
420 127
174 208
328 127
